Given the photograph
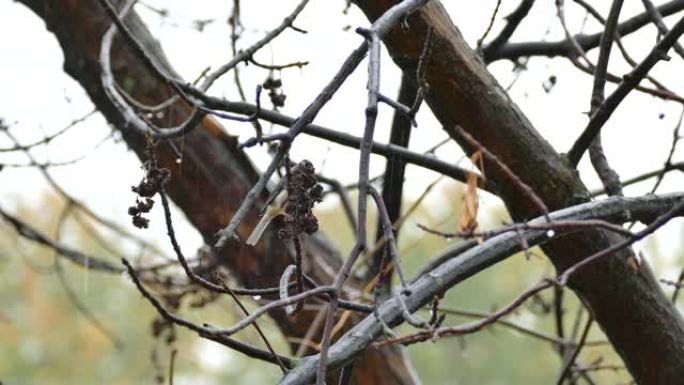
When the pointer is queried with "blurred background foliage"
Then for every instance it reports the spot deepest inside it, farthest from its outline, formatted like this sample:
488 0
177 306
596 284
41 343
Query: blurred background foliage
45 339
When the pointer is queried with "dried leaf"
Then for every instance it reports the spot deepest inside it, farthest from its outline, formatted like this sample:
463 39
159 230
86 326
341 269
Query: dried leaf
468 221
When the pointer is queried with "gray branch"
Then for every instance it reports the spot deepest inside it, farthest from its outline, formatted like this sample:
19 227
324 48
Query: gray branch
472 261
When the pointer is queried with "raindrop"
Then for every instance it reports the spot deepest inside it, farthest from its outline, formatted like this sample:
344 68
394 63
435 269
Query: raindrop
179 161
550 233
160 114
256 297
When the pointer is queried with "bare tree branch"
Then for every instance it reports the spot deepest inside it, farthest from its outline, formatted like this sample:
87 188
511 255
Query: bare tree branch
469 263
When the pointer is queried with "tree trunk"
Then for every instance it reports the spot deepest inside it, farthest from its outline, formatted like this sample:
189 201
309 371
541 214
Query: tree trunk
214 175
643 326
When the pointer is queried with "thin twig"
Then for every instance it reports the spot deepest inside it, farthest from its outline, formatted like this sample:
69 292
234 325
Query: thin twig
558 225
393 180
455 270
204 283
489 26
336 136
205 331
676 210
471 327
514 51
657 19
571 360
608 176
606 109
676 137
72 255
510 175
513 21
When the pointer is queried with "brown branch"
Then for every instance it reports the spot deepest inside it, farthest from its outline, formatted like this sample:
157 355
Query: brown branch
676 210
72 255
513 21
514 51
454 271
657 20
470 327
571 359
631 80
393 179
212 169
204 331
342 138
608 176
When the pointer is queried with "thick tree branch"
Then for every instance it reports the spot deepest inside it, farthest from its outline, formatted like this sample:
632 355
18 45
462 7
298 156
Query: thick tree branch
212 173
463 93
468 264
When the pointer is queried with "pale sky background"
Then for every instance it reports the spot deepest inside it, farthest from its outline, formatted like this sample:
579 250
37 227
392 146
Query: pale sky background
37 97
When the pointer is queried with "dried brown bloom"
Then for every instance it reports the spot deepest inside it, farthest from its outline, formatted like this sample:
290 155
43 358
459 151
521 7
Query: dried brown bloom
303 192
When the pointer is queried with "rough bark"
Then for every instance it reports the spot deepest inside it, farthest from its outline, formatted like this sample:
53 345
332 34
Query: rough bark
643 326
471 260
214 175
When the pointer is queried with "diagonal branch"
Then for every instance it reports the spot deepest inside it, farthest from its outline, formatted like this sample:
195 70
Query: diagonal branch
631 80
212 171
472 261
464 93
608 176
393 179
514 51
514 20
72 255
342 138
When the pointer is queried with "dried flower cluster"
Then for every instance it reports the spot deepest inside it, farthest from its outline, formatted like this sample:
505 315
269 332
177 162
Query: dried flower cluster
147 188
303 191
